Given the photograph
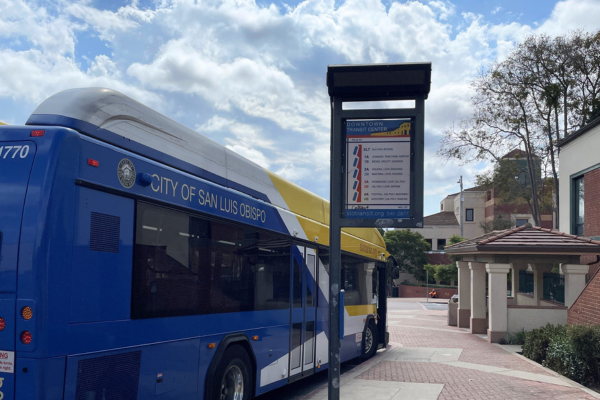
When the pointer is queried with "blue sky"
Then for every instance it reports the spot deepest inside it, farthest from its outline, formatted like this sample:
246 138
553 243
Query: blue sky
251 74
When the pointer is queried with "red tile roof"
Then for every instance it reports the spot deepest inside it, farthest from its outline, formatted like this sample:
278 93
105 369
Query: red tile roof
526 239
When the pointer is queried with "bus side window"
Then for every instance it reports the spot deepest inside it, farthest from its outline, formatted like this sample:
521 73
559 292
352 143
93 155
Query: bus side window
188 265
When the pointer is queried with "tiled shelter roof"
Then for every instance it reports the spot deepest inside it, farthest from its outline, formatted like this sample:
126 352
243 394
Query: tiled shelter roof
526 239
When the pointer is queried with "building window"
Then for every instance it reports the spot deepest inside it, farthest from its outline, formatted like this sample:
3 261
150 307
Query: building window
526 282
469 214
441 243
521 221
578 208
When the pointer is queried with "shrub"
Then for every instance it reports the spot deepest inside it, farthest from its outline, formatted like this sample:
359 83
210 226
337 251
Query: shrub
585 342
537 341
573 351
442 273
562 358
518 337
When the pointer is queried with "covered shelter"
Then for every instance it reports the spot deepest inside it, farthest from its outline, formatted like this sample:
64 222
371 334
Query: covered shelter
527 252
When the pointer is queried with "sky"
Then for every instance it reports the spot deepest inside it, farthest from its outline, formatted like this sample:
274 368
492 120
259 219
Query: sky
250 74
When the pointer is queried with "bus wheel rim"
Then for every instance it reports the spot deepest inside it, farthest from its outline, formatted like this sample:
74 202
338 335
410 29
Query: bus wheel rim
368 340
232 384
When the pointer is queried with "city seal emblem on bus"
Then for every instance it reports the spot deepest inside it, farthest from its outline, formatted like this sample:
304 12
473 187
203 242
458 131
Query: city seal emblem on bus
126 173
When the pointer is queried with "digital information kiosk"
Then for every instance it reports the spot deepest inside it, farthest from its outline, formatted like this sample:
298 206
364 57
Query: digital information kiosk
376 165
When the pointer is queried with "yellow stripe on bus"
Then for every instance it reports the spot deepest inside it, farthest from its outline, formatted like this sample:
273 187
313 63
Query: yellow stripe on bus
312 212
353 311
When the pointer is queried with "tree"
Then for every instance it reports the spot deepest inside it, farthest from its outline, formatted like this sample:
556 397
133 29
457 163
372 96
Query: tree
499 223
442 273
546 89
409 249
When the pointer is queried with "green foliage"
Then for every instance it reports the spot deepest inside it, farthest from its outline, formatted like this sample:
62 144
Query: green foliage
514 338
431 285
572 350
409 249
510 181
456 239
537 341
518 337
442 273
561 357
543 90
453 240
499 223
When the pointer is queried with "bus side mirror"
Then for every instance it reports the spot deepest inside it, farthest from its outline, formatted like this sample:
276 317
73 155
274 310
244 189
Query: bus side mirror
396 273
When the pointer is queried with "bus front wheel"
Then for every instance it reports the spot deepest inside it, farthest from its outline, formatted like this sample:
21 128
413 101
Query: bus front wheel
370 340
233 376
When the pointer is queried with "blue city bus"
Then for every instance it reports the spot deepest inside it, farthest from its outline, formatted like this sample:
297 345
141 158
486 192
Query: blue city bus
139 260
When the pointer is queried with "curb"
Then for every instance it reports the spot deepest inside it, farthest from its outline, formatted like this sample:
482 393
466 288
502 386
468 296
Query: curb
360 368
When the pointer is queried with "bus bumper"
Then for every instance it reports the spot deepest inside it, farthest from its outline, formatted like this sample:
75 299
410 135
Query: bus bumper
39 379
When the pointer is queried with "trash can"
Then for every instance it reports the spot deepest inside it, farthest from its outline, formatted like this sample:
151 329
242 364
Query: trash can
395 291
452 312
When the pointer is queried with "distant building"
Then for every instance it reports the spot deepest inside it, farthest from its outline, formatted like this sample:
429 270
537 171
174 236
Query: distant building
482 211
502 215
438 228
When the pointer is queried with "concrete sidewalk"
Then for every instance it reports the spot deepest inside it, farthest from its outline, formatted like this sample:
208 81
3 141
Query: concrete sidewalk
428 360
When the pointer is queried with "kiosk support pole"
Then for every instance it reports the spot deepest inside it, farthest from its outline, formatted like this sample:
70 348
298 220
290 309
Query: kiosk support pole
335 251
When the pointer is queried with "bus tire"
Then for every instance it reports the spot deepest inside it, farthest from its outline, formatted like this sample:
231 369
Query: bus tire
370 340
233 376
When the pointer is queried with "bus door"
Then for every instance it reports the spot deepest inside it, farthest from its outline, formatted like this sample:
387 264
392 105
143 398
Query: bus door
304 310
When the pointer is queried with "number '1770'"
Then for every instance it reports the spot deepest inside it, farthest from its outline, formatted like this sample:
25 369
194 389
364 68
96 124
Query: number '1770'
5 151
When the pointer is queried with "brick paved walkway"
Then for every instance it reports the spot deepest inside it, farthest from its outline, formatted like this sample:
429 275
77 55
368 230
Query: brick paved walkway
424 328
429 360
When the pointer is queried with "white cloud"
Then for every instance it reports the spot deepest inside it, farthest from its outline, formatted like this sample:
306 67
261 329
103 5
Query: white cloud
55 35
572 14
251 74
108 23
294 173
32 76
252 86
247 140
251 154
103 66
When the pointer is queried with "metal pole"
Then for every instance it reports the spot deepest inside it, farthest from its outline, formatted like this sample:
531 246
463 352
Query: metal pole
427 283
462 199
335 251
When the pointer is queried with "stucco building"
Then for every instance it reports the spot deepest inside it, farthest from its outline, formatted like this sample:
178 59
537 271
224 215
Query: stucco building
579 212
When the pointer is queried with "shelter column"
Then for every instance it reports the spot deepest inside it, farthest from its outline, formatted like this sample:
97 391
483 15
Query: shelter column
464 294
478 306
574 281
498 305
